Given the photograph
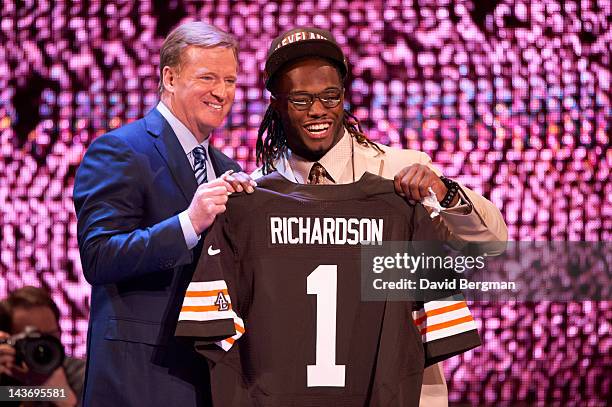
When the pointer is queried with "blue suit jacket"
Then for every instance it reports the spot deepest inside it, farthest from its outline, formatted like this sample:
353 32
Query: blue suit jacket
131 185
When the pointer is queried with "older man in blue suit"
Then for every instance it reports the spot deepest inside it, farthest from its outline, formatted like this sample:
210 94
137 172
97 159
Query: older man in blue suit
144 194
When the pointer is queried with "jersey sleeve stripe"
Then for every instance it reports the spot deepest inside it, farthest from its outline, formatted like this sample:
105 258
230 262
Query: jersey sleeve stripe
202 308
422 315
452 331
215 285
207 293
205 316
227 343
440 310
447 316
447 324
203 301
210 301
202 304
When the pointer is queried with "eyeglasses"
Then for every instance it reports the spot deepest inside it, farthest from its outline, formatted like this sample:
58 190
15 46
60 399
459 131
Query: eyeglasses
302 101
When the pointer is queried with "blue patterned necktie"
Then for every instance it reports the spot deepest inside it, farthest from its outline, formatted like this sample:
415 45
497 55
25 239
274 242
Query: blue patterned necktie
199 164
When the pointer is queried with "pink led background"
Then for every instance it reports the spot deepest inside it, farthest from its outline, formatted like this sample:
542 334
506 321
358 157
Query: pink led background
510 97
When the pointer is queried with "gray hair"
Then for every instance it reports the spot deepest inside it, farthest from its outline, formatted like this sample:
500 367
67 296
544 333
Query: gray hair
195 33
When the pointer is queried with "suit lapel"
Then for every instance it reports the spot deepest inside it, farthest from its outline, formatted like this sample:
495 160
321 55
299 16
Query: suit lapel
367 159
221 162
169 147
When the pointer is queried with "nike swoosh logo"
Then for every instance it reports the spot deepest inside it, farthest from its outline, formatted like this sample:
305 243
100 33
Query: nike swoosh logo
212 252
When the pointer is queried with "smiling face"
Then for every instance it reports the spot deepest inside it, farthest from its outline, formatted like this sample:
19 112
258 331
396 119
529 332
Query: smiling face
200 91
313 131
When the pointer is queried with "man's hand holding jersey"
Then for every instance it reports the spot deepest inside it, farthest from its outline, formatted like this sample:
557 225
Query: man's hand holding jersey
413 183
210 198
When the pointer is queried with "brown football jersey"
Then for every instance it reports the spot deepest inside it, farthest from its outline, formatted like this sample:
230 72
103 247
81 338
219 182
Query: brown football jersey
275 302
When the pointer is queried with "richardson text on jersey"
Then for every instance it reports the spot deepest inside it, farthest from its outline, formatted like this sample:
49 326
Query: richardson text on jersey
324 231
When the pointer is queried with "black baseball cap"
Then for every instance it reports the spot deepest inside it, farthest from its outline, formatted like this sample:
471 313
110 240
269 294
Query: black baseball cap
303 42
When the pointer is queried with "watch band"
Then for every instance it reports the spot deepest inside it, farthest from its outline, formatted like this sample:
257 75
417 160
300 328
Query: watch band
453 190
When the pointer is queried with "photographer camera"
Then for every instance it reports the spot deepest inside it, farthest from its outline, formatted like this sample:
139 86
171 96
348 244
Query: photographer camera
31 353
41 353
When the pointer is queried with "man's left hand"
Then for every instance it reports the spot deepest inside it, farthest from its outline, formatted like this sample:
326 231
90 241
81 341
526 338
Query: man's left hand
413 183
239 181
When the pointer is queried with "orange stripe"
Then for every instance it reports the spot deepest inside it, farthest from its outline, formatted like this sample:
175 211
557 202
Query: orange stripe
239 328
438 311
447 324
202 308
230 340
209 293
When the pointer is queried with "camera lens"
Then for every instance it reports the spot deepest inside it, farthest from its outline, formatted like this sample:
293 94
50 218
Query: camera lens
43 354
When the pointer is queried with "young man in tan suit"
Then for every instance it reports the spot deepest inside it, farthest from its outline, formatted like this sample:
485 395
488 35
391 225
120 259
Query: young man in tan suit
310 138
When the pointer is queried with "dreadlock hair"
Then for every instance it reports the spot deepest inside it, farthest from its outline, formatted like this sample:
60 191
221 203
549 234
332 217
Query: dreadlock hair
271 148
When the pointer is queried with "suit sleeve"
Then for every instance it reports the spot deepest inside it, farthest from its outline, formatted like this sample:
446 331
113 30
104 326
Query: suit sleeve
478 221
109 202
447 328
208 314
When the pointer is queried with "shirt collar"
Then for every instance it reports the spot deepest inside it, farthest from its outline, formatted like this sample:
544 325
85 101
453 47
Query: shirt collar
334 161
184 135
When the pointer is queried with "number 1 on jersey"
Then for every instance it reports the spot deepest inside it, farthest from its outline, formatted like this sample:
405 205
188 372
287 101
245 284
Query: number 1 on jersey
323 282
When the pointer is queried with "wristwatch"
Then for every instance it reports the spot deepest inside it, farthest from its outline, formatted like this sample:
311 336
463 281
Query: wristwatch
453 190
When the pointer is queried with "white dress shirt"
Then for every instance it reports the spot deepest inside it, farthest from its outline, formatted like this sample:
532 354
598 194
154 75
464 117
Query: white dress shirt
337 163
188 142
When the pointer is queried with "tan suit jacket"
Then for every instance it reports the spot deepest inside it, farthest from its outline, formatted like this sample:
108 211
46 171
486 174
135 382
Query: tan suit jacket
479 222
482 222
